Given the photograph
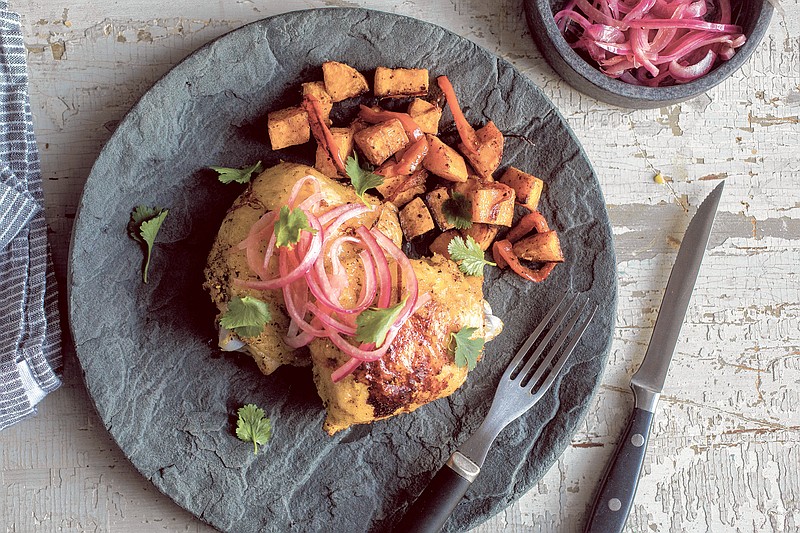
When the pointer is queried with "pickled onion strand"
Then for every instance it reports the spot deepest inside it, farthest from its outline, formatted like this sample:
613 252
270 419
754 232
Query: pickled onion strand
382 266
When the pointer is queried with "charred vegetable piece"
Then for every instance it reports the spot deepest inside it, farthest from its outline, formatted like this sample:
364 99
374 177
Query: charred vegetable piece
444 161
343 139
288 127
441 243
343 81
527 187
540 248
400 81
426 115
317 89
401 189
493 203
483 234
415 219
381 141
436 200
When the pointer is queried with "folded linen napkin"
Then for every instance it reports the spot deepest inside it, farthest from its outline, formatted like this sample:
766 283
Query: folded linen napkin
30 334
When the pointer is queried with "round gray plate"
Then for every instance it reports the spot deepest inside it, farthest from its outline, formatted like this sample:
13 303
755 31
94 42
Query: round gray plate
169 397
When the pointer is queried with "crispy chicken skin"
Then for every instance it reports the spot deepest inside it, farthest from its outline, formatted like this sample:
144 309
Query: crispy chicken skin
418 367
267 192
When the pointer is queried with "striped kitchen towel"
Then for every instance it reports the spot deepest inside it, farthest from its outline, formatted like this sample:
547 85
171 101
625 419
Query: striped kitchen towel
30 334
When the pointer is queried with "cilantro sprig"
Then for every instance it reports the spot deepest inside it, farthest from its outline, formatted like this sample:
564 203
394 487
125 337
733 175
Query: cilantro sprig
238 175
246 316
373 324
289 225
464 348
143 228
458 210
361 178
469 256
253 426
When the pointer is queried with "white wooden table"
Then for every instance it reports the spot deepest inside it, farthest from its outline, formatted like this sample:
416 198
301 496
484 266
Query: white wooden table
725 454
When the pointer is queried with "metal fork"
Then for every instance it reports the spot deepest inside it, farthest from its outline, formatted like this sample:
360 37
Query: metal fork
517 392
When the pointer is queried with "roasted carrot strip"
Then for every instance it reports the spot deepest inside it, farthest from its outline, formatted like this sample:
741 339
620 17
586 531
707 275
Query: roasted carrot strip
531 221
504 255
321 131
413 131
465 130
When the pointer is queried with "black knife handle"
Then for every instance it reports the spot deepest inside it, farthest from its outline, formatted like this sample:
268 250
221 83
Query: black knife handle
436 503
615 497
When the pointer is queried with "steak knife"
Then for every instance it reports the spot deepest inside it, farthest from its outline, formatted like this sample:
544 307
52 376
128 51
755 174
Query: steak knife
615 496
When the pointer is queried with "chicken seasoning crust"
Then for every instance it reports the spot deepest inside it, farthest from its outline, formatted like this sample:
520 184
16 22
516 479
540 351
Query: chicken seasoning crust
310 270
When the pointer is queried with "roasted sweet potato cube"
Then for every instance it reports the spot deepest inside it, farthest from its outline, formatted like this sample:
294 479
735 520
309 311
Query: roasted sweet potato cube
468 187
400 81
483 234
415 219
493 203
540 247
401 189
343 137
317 90
288 127
528 188
343 81
444 161
489 153
380 141
440 243
388 223
435 200
426 115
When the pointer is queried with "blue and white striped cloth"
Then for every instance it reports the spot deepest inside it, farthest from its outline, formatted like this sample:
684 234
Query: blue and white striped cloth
30 335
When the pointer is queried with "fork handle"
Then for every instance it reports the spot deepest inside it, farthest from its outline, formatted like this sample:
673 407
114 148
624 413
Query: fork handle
436 503
615 497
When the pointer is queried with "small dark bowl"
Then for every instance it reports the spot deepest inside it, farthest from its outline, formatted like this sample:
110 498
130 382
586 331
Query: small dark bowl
753 15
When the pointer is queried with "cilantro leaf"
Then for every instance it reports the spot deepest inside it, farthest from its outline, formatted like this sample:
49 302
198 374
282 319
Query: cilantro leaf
468 255
246 316
466 349
289 225
239 175
143 227
360 178
458 210
253 426
373 324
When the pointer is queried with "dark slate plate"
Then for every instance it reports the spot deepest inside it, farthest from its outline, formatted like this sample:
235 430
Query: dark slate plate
169 397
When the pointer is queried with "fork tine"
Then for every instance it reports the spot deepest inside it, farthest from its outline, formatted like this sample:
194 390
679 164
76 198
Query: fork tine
532 358
576 336
567 351
535 335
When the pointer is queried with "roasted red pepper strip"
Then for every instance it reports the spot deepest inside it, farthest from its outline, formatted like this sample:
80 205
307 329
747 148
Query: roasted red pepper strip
413 131
465 130
531 221
504 255
321 131
410 162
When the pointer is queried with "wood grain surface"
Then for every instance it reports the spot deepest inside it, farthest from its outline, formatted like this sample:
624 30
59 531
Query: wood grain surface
725 451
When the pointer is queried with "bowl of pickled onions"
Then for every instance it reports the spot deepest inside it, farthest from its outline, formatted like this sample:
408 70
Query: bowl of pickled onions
647 53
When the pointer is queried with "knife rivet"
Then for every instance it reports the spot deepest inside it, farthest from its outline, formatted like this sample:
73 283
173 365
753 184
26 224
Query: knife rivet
614 504
637 440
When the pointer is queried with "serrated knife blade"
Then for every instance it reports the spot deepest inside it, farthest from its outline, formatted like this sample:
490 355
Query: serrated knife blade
618 488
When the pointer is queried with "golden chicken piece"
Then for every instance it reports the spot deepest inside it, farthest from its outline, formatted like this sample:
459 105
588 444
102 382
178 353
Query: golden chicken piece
268 192
418 367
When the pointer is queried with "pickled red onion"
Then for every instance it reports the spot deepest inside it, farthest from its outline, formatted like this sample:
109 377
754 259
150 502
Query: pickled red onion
652 42
312 296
